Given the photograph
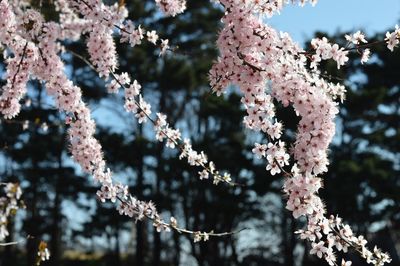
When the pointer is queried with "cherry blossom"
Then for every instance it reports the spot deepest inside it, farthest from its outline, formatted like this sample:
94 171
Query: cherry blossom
392 38
365 56
345 263
85 149
260 150
152 36
171 7
43 253
356 38
10 202
266 65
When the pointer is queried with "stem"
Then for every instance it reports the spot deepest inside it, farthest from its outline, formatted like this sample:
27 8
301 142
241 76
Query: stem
19 64
180 146
187 231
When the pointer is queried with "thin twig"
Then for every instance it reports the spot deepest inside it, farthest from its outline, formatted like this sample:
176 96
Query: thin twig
19 65
187 231
217 177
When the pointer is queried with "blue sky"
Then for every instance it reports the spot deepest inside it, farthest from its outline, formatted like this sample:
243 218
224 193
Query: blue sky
332 15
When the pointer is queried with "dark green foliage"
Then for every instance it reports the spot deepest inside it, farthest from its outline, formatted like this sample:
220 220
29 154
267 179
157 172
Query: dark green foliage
362 184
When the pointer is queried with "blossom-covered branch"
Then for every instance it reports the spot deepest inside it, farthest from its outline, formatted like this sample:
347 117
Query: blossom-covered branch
48 67
102 17
268 66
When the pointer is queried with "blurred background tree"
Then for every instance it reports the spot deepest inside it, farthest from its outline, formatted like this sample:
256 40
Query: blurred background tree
362 184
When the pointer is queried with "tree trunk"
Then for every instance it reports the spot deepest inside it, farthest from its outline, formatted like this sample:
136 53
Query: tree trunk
9 257
117 250
31 228
157 198
139 226
32 242
177 245
289 240
55 231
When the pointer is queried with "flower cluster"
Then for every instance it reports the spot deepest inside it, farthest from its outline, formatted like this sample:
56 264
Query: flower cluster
18 68
85 149
73 24
131 34
12 35
268 66
324 51
43 253
30 24
100 44
171 7
269 7
302 191
49 69
393 38
9 204
253 56
101 48
100 21
361 45
332 233
275 153
135 103
134 36
198 236
356 38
